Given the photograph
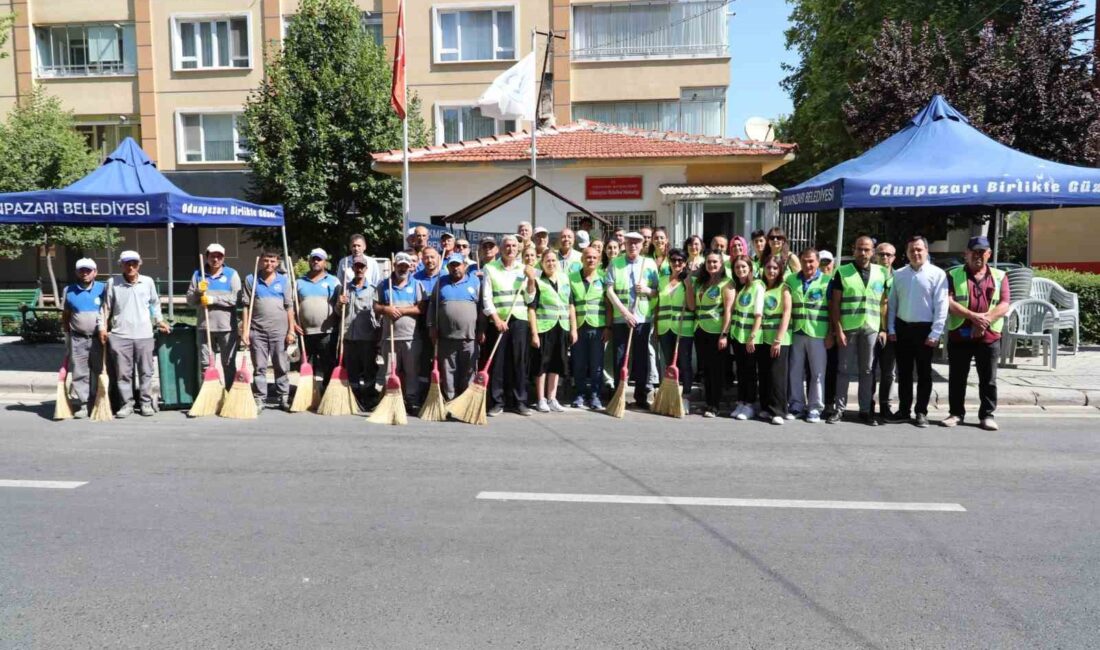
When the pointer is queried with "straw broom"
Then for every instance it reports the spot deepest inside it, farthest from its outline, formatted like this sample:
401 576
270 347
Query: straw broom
238 403
469 407
667 401
210 396
391 409
616 406
303 395
434 408
62 409
101 410
339 398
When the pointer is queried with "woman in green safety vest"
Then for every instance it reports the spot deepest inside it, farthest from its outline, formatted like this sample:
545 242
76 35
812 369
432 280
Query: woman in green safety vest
741 320
553 319
676 317
693 247
611 250
660 252
775 339
711 296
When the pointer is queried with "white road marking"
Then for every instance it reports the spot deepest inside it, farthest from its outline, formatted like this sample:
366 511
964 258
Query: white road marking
727 503
50 485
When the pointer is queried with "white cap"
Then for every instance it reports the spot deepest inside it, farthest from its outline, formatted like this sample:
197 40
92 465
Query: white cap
85 263
215 248
446 234
634 235
129 256
318 252
412 231
824 255
541 231
404 258
582 239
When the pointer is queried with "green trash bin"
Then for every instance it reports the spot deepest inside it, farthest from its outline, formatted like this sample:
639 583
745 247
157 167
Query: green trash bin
178 365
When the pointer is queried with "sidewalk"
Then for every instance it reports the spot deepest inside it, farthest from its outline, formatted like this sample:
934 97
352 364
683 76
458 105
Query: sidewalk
29 373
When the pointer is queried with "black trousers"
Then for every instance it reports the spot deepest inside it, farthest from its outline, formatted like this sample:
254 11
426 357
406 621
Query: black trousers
984 355
713 366
508 375
321 353
361 362
832 365
912 354
639 357
683 362
771 377
746 373
885 365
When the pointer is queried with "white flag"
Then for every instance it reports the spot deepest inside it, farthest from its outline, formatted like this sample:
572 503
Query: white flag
512 94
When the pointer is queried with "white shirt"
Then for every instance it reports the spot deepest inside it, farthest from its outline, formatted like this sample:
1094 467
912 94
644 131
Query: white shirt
511 274
919 296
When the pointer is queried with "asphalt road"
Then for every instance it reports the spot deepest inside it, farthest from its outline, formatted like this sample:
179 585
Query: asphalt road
308 532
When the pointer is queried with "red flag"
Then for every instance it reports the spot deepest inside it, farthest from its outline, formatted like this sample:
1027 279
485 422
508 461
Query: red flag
397 93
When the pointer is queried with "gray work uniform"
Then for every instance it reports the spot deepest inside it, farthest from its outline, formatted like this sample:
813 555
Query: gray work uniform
224 294
132 310
84 313
406 347
360 339
267 332
454 309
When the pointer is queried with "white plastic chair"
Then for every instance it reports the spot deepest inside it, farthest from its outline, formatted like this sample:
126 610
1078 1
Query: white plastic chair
1069 313
1027 320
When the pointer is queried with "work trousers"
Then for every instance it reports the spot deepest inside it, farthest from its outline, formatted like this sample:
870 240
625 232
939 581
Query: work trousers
771 377
406 356
269 348
588 361
832 361
508 375
361 364
85 362
807 351
132 358
457 365
639 357
321 354
857 359
683 361
225 344
712 366
913 353
886 367
746 372
985 356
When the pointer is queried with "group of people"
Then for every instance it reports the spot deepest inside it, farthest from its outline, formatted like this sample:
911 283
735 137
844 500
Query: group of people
789 329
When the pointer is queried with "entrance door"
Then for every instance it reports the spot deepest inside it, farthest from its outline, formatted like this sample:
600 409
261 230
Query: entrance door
724 218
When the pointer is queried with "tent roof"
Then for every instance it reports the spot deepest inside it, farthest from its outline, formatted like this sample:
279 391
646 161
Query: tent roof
940 161
515 189
127 170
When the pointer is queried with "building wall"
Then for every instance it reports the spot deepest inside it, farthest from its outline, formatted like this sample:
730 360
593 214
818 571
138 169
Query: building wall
1066 238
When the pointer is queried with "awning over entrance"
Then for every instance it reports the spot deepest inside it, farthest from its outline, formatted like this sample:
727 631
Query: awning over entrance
671 193
511 191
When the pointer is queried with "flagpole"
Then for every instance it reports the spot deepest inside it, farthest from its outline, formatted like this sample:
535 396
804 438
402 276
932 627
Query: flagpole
405 172
534 130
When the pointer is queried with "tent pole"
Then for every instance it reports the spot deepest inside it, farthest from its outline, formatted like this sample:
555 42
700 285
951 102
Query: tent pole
110 253
534 130
839 237
171 292
996 234
286 252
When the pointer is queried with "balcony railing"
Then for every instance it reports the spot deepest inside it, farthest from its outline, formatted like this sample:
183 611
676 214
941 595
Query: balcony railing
650 52
98 69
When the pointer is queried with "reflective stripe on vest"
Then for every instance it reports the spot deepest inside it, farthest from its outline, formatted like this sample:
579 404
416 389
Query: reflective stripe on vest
553 304
861 304
961 285
809 307
504 292
709 306
588 302
742 316
623 286
773 317
671 314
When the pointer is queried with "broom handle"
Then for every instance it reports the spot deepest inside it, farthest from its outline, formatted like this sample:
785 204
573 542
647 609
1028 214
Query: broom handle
297 307
340 346
206 314
629 336
393 361
679 322
251 306
511 310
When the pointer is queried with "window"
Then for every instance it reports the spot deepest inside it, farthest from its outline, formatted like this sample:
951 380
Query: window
700 111
85 50
371 23
458 123
227 237
147 243
628 221
650 30
209 137
475 35
105 138
212 43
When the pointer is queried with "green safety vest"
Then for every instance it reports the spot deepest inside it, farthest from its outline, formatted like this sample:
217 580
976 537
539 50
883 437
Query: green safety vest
588 302
553 304
743 316
571 262
709 306
961 286
623 287
672 315
504 292
773 317
809 307
861 304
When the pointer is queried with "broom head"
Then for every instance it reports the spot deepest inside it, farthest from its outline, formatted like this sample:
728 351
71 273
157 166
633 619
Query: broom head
239 403
338 398
303 395
210 396
616 406
62 410
391 410
667 401
434 408
469 407
101 409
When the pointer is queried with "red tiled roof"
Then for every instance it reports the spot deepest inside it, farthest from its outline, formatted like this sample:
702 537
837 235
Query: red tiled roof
584 139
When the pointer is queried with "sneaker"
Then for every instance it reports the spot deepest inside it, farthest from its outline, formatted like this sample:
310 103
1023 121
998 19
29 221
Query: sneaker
555 406
687 406
746 413
921 421
777 420
126 409
523 410
542 406
736 410
709 413
496 410
951 421
813 417
80 411
792 415
642 404
989 424
833 417
147 410
898 417
595 404
579 403
259 404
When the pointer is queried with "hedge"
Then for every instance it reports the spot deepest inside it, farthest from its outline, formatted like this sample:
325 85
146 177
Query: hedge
1087 288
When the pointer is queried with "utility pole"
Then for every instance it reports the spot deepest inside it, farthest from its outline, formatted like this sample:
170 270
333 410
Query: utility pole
545 86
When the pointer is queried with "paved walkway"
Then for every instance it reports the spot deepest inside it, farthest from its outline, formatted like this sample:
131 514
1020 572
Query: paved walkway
29 372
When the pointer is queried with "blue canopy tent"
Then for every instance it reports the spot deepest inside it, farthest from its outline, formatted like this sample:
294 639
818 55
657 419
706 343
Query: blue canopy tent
128 190
940 161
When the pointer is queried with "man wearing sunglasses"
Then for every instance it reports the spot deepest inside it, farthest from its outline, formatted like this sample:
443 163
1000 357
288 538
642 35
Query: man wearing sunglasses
885 256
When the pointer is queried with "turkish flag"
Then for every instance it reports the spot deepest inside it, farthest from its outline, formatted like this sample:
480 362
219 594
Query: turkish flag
397 92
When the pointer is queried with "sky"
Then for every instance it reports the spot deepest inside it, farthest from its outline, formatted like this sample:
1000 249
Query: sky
756 52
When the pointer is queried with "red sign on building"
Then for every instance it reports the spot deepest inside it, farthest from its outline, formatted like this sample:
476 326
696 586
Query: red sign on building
612 187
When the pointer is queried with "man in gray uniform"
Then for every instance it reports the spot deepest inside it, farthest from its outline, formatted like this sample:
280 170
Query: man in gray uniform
132 308
397 304
82 318
453 324
271 329
220 293
316 317
360 332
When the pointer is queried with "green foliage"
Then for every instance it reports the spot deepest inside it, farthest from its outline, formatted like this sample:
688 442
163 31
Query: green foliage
39 150
1087 288
322 108
6 23
1014 243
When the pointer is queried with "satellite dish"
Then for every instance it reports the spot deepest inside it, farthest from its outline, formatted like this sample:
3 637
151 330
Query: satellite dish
759 128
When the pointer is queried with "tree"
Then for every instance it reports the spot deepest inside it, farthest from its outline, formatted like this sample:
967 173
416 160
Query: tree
6 23
1014 243
323 107
40 150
